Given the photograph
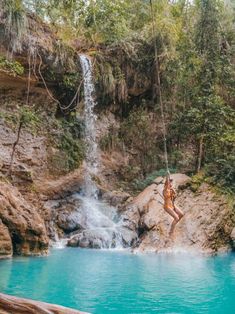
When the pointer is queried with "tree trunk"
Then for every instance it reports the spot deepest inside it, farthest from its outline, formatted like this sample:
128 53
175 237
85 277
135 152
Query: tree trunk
14 146
200 153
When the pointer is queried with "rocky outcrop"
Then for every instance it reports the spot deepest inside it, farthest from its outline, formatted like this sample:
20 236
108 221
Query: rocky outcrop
30 157
21 223
6 249
61 187
10 304
115 198
206 226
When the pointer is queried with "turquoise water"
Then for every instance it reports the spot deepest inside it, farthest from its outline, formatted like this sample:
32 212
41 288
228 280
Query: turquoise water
119 282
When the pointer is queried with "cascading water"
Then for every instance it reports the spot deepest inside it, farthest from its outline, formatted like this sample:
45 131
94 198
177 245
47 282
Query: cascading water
101 228
92 155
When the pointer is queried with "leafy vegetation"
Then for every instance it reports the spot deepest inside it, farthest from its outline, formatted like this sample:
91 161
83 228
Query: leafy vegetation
15 23
70 149
30 118
12 67
195 42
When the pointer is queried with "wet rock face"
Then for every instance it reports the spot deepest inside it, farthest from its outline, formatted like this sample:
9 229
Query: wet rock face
100 238
95 239
66 214
22 230
115 198
89 223
233 238
207 225
6 249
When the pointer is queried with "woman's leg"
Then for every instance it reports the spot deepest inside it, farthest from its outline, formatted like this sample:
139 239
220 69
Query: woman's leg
178 211
173 214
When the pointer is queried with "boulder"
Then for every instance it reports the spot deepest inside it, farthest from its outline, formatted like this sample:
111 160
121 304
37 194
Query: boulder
115 198
94 238
128 237
104 238
25 226
131 217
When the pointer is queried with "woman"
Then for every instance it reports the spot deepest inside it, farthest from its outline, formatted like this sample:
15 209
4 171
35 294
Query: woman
169 195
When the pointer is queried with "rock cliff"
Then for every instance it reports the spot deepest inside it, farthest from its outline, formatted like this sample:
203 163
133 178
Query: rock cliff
206 227
22 230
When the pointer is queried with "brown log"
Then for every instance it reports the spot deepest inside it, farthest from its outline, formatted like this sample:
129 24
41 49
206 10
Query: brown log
15 305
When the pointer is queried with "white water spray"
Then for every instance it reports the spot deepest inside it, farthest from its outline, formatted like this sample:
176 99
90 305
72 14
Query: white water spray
92 155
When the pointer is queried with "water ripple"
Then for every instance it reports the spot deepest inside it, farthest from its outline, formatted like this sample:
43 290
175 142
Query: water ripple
119 282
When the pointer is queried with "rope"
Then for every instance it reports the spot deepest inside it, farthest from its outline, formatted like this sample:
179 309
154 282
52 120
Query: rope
50 94
29 78
159 88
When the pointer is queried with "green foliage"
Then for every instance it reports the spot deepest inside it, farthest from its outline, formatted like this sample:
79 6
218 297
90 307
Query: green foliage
70 80
111 81
197 180
140 185
203 118
31 119
111 140
222 171
96 21
71 148
134 131
15 24
195 41
12 67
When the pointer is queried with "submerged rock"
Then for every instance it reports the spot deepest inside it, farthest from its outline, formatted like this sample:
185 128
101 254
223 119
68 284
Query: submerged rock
21 222
10 304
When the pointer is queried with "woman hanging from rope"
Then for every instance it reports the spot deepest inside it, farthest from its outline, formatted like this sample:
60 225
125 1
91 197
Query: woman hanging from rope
169 196
169 193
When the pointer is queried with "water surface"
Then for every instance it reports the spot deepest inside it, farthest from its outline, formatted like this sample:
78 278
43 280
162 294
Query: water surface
119 282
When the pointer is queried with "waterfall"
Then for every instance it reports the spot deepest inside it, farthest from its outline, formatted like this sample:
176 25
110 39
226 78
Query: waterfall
92 155
101 226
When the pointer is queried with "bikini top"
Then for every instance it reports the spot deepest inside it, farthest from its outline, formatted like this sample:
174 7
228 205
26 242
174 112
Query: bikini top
169 193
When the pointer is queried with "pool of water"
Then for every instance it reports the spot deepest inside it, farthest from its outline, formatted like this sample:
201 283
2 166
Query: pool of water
106 282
